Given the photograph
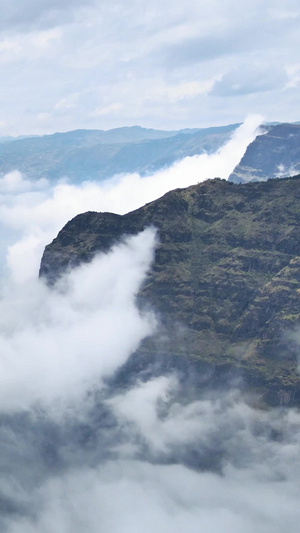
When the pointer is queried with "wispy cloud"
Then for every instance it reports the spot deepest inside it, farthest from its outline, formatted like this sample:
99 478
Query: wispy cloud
157 62
56 344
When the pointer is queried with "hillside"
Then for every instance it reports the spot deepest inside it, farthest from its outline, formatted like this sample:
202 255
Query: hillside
273 154
97 154
226 278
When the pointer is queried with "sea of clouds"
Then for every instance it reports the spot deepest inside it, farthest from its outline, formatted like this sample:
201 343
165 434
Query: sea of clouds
81 451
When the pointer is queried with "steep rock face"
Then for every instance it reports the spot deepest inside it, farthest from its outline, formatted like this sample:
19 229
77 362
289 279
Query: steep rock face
274 154
226 277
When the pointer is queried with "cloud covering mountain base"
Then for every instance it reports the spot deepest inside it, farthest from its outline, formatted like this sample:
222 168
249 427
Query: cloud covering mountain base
108 471
80 452
83 448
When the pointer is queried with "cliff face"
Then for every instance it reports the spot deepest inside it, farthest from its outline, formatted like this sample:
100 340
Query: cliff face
226 277
274 154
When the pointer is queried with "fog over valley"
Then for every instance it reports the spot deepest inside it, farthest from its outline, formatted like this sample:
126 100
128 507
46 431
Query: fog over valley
92 442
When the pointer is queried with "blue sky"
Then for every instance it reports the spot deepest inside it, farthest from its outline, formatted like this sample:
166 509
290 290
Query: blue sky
168 65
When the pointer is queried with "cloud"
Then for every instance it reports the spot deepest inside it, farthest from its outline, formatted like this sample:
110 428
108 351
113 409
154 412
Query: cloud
182 91
257 487
14 183
32 14
249 79
224 36
286 171
59 343
156 62
85 449
115 107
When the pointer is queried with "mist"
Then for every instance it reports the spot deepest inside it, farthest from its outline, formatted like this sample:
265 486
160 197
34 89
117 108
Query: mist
32 212
138 476
56 344
84 446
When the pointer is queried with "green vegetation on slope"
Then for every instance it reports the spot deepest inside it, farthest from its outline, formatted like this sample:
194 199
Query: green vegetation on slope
226 277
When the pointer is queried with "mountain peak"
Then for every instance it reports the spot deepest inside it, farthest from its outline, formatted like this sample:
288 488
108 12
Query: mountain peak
226 273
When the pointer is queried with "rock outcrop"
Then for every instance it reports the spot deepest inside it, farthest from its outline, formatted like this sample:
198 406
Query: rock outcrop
274 154
226 276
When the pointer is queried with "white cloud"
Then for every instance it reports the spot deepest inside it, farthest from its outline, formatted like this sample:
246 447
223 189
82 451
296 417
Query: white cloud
180 91
43 116
154 60
45 39
13 183
77 454
58 344
106 110
67 103
27 15
286 171
257 489
293 72
10 50
25 47
249 79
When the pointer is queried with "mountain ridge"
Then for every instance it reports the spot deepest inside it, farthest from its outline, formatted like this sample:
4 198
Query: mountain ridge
226 275
275 153
97 154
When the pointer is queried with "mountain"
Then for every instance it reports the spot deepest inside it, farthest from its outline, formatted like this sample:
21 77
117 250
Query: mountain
96 154
9 138
225 281
274 154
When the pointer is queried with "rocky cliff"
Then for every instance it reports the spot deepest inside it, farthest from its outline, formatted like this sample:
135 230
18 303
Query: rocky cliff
276 153
226 277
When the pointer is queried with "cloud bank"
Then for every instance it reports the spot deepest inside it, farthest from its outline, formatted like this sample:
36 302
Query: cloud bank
254 487
36 211
59 343
84 448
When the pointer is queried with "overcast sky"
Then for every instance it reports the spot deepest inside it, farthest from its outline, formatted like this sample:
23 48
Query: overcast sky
168 65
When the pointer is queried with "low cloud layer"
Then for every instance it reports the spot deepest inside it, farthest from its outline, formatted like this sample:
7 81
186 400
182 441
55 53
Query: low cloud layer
220 466
84 446
27 208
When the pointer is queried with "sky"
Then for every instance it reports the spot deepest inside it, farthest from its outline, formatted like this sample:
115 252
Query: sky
81 451
168 65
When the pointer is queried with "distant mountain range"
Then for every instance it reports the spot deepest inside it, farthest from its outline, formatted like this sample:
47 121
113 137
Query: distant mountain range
274 154
97 155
